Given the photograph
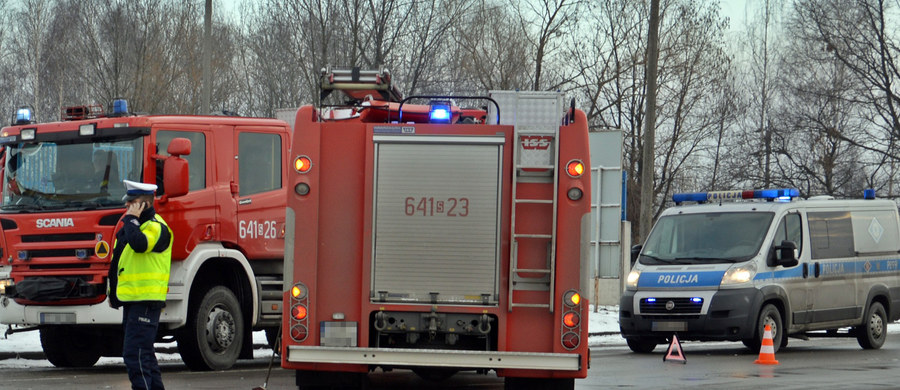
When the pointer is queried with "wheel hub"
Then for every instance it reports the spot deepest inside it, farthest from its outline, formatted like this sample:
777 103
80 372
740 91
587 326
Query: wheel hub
220 329
876 326
773 326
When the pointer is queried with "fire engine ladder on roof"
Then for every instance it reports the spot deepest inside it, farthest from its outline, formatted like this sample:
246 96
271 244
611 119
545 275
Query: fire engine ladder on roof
547 276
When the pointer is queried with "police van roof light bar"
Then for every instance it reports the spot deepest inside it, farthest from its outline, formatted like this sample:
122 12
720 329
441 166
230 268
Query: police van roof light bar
772 194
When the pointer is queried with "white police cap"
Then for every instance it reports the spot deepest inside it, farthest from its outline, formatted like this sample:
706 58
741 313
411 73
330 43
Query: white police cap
135 189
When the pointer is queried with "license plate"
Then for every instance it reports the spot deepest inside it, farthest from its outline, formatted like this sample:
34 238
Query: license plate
337 334
669 326
57 318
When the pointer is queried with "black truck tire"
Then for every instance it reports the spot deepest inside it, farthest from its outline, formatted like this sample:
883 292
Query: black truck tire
214 334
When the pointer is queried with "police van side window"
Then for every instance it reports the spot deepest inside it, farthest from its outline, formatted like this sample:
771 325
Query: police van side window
789 229
830 235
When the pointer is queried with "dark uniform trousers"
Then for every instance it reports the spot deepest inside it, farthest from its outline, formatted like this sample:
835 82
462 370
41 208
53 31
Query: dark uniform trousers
141 321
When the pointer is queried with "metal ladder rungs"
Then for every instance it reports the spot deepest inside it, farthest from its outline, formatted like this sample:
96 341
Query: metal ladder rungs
538 305
532 270
535 201
535 167
533 236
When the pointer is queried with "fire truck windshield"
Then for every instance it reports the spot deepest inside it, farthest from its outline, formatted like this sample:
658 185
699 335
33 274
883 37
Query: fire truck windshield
59 176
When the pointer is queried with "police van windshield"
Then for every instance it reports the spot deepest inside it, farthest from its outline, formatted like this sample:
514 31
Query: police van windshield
706 238
56 176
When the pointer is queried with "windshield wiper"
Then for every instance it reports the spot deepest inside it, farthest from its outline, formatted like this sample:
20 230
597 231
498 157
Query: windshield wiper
658 260
701 260
22 207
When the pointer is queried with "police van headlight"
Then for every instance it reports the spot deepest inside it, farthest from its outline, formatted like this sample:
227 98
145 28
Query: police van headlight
739 274
633 278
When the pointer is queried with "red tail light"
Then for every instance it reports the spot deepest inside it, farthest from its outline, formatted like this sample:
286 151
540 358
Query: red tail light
299 332
570 340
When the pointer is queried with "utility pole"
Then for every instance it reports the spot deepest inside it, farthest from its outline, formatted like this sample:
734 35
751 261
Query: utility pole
206 89
647 163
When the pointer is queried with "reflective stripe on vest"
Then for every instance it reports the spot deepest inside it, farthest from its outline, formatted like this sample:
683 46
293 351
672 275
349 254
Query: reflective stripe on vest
145 276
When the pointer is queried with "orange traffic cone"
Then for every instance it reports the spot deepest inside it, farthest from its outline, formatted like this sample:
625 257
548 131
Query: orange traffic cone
767 349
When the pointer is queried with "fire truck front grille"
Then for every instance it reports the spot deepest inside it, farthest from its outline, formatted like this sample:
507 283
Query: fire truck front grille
59 266
41 253
59 237
667 306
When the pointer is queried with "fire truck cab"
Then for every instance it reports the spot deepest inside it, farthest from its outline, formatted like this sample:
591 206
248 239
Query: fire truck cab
221 191
437 238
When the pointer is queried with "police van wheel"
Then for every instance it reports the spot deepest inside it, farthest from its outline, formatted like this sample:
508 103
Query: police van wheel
873 332
769 315
214 334
641 346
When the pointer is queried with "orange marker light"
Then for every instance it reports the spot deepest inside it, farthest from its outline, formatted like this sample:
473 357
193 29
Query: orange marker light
302 164
299 312
296 291
575 298
575 168
571 319
572 298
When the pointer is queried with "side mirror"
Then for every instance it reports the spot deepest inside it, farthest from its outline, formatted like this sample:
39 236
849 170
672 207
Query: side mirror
635 252
175 176
786 254
175 169
179 147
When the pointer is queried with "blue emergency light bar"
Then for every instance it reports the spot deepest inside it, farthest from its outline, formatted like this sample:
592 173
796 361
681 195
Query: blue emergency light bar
776 194
120 107
440 112
23 116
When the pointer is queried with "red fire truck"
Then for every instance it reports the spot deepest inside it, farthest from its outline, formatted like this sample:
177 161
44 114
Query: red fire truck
435 238
221 191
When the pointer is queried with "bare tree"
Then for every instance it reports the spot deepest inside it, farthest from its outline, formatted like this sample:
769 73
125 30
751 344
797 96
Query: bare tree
762 48
693 67
551 19
33 29
488 53
860 35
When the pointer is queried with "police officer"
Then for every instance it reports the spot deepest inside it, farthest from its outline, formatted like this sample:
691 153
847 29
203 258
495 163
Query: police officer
138 281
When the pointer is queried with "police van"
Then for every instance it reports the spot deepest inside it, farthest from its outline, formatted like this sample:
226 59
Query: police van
722 265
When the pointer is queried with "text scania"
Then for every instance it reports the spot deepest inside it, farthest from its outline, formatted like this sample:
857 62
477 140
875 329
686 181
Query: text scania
677 279
55 222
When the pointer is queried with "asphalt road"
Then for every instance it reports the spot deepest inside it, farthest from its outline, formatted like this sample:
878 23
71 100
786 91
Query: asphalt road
817 363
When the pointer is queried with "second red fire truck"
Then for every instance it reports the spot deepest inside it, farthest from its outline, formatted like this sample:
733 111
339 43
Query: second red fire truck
438 239
220 190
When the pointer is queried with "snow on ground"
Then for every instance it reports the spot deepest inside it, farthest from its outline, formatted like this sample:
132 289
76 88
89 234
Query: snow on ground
604 322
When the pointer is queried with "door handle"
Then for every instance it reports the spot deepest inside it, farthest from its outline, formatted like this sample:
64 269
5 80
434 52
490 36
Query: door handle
805 270
817 270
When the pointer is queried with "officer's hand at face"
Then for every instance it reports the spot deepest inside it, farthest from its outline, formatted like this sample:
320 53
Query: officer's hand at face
136 207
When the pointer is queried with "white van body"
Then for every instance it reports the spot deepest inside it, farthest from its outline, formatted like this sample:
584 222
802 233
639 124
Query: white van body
723 269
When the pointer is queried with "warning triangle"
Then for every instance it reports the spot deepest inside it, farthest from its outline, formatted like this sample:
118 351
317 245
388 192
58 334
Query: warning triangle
674 352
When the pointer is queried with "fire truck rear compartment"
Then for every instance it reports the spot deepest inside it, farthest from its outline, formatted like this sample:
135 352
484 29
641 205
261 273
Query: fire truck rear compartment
436 219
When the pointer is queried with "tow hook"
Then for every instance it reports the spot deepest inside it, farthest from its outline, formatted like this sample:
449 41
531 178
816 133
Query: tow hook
432 322
484 326
380 323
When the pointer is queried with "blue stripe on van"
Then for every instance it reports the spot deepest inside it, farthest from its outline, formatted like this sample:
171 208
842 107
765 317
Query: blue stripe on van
836 269
681 279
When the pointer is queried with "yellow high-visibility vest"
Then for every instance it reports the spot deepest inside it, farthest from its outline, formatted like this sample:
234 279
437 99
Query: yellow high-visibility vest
145 276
